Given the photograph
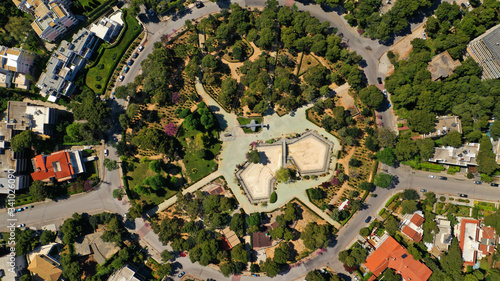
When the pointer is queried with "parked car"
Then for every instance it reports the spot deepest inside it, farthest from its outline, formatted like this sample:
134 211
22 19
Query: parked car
478 182
181 274
463 195
443 178
467 4
106 152
21 225
130 62
135 55
19 210
379 79
432 176
121 78
199 4
182 254
25 208
423 190
141 48
494 184
424 36
368 219
384 91
126 69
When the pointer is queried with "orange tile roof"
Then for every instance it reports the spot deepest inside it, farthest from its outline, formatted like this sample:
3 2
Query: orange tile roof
56 165
488 232
45 269
417 220
412 234
37 29
391 254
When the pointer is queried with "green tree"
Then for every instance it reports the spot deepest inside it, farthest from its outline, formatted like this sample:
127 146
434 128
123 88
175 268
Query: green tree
353 257
426 148
24 141
383 180
25 241
409 206
239 253
237 224
228 91
495 130
410 194
38 190
391 275
281 253
421 121
166 255
365 231
454 138
371 96
316 236
254 219
392 225
270 267
415 252
386 156
254 156
47 237
282 175
155 166
386 137
486 157
164 269
451 261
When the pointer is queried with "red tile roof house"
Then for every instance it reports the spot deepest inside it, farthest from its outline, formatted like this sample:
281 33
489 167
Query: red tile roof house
59 166
488 240
390 254
476 242
413 226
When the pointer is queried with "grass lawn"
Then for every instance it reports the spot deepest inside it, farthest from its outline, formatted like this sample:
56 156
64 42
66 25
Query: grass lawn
138 174
485 206
244 121
98 76
196 167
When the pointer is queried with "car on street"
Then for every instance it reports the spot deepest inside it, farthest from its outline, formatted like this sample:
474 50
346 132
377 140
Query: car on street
379 79
199 4
181 274
478 182
25 208
443 178
432 176
21 225
140 48
121 78
19 210
135 55
130 62
106 152
126 69
463 195
494 184
368 219
423 190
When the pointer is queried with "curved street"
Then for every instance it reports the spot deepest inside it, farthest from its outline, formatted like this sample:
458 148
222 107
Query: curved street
102 200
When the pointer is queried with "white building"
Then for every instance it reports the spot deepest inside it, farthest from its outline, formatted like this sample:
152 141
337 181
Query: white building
65 63
107 29
14 65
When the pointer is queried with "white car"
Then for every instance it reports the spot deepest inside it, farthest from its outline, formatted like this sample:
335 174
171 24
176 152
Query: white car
106 152
21 225
424 36
467 4
121 78
384 91
432 176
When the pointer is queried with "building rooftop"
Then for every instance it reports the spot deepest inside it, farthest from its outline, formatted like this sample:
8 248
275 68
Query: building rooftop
231 237
390 254
45 268
485 50
126 273
106 29
442 65
469 234
262 239
412 234
93 243
463 156
445 125
61 166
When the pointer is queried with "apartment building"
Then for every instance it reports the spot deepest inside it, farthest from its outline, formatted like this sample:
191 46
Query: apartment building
14 65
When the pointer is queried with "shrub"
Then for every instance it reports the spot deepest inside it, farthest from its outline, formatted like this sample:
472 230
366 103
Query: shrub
442 198
274 197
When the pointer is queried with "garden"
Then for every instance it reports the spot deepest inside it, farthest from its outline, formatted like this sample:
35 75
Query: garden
108 56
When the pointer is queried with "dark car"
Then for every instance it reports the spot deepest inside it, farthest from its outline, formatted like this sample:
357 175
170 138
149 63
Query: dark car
494 184
135 55
443 178
379 79
126 69
181 274
199 4
130 62
478 182
463 195
368 219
